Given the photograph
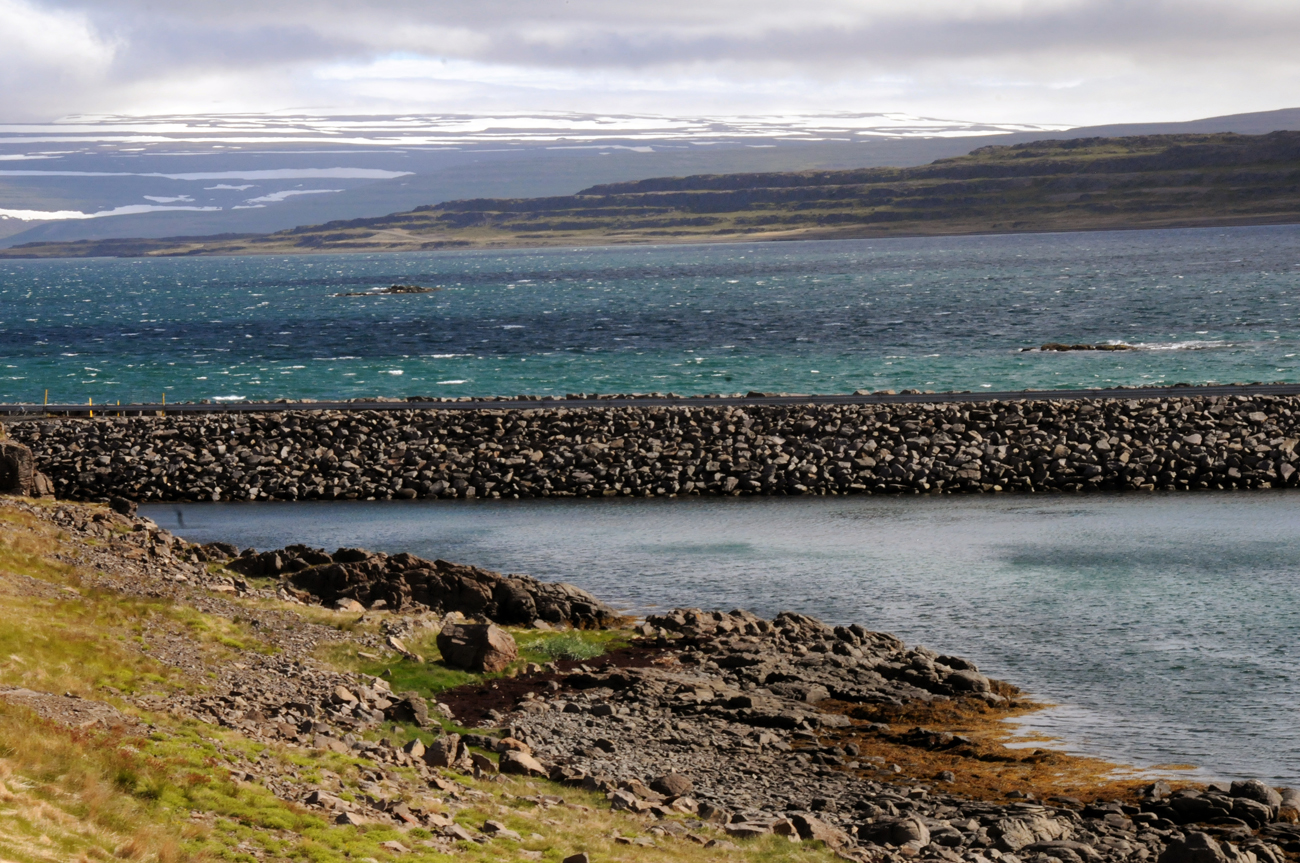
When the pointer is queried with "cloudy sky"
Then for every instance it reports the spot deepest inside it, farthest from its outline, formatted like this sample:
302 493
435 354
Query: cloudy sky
1045 61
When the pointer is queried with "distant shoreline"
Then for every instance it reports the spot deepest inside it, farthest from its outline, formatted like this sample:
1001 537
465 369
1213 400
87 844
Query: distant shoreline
194 247
1084 184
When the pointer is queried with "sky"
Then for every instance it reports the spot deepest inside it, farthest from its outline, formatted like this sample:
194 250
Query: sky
1074 62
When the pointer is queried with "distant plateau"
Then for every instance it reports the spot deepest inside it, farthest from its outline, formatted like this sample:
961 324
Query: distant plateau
1081 184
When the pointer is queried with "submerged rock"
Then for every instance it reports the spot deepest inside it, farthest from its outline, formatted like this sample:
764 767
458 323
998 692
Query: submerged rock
392 289
1057 346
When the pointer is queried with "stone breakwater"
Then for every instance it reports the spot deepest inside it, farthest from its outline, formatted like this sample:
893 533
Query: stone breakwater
1206 442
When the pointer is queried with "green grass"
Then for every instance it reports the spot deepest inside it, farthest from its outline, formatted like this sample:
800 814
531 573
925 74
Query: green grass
578 644
164 792
432 676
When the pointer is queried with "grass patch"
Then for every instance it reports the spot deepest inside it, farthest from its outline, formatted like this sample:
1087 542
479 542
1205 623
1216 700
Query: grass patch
57 635
431 677
577 644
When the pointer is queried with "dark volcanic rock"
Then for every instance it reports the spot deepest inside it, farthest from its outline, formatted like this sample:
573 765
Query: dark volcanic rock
672 785
515 450
1195 848
1253 789
404 581
479 647
409 707
17 468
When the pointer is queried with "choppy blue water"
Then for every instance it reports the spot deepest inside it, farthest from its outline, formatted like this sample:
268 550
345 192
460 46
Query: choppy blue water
1167 627
1210 305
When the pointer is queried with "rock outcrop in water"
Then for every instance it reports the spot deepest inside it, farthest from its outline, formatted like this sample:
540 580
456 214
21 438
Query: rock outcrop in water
404 581
1058 346
391 289
1060 445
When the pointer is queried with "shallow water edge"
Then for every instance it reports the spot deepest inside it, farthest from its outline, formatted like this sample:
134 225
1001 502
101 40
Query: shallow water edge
1163 624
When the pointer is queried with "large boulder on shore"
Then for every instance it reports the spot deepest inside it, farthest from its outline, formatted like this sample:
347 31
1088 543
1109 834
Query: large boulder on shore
1194 848
480 647
449 751
1254 789
18 473
897 831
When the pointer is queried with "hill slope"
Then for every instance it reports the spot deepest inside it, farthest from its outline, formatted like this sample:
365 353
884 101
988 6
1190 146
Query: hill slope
1077 184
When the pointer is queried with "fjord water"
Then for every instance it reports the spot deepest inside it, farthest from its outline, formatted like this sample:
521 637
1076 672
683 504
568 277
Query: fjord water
1165 627
1208 305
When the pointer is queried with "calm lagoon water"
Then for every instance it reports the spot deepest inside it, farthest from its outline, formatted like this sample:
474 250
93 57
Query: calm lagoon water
1166 627
1208 305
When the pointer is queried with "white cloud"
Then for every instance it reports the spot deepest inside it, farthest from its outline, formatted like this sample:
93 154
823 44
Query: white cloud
50 59
1025 60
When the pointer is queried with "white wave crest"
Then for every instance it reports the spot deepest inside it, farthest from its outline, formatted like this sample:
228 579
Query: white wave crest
1190 345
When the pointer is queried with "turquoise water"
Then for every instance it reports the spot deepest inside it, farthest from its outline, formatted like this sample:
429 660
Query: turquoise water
1166 627
1208 305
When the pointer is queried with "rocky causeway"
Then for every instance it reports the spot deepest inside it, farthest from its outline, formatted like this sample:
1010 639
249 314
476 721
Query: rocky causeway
533 450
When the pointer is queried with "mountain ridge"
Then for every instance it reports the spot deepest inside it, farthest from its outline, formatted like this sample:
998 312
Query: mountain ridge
1090 183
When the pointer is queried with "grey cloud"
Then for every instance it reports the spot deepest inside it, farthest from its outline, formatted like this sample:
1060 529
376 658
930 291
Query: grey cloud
621 35
741 42
1194 31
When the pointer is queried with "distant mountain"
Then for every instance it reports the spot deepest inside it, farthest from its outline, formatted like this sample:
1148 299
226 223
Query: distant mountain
155 177
1089 183
164 176
1258 123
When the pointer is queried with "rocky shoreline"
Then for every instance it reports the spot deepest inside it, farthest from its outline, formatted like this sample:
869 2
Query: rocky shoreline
517 451
707 727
